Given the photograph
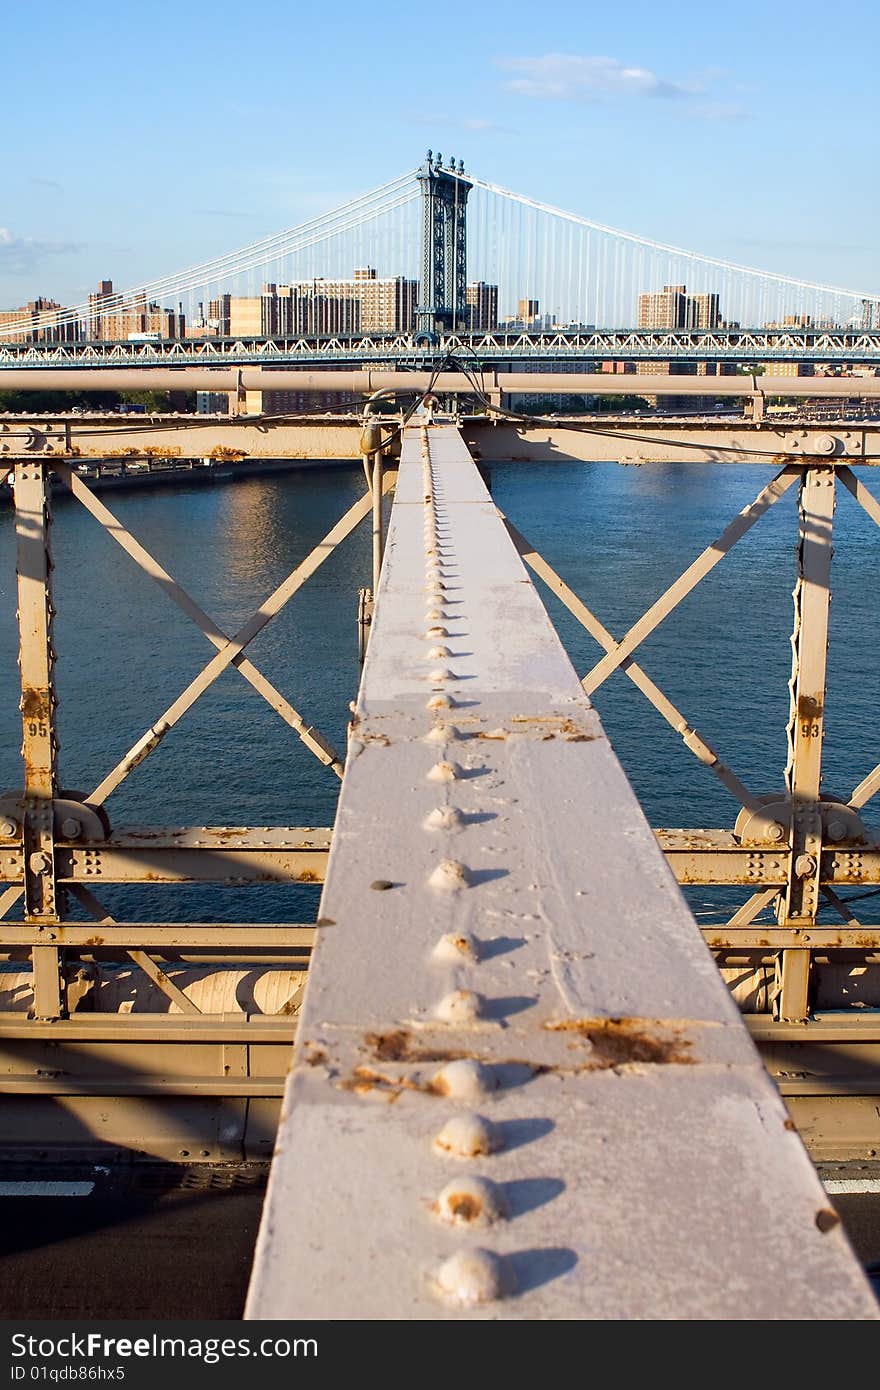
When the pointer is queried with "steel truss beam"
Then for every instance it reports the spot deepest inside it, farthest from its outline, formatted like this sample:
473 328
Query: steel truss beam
460 1098
50 844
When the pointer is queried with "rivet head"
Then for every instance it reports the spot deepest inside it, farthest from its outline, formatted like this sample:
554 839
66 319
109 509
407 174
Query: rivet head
444 772
470 1202
437 653
437 631
442 733
441 673
454 947
444 818
459 1006
471 1277
439 702
449 876
463 1079
467 1136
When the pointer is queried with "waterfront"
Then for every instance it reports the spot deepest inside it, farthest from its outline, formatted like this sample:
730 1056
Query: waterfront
618 535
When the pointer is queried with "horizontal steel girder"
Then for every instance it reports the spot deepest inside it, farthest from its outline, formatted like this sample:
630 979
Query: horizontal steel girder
208 854
164 935
715 856
234 379
118 440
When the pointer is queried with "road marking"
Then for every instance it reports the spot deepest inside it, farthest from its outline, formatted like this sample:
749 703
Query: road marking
46 1189
833 1185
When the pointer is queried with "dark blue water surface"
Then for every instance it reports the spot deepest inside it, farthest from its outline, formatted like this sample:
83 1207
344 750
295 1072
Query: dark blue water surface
618 535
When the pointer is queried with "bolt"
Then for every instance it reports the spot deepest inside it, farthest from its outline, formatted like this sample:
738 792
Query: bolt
473 1276
461 1006
71 828
441 733
444 772
775 831
7 827
470 1202
39 862
464 1080
444 818
449 876
836 830
467 1136
804 865
453 946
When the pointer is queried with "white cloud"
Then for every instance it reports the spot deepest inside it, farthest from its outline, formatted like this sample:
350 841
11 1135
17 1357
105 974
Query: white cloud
594 78
21 255
568 76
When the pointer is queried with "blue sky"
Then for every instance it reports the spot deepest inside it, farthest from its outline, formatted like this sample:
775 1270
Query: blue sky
139 139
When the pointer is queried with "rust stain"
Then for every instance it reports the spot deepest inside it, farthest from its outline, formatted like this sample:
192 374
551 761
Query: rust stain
223 454
462 1206
307 876
398 1046
619 1041
809 707
827 1219
35 703
315 1056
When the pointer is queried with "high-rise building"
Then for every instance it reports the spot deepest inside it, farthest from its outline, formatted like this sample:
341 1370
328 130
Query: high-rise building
116 318
703 311
363 303
482 307
673 307
37 323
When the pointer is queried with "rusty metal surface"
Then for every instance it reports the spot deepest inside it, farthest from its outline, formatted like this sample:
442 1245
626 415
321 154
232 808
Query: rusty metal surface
545 1105
647 438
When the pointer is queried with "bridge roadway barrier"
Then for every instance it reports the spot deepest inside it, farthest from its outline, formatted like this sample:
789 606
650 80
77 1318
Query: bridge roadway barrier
520 1089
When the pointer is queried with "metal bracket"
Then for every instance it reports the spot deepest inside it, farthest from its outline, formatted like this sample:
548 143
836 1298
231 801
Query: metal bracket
771 825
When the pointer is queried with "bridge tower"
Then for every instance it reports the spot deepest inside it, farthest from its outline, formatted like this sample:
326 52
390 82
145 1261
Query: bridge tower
443 301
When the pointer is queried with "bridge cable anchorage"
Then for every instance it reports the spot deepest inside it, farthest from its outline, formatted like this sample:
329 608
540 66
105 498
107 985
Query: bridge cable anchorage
545 1044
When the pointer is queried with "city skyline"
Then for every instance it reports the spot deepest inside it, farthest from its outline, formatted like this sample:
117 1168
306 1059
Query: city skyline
618 122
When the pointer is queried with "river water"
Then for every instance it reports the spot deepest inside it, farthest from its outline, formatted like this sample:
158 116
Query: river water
618 535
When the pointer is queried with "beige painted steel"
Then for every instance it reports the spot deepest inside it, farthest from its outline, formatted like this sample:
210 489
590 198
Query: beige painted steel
546 1004
310 736
367 382
631 439
208 990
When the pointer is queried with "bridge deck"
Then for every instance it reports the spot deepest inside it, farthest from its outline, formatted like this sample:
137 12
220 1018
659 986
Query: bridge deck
520 1088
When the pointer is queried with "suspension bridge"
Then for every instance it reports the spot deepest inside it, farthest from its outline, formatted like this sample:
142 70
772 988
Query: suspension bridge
524 1083
495 271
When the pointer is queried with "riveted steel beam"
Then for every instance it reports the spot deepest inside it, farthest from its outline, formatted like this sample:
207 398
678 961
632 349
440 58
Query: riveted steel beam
481 1129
